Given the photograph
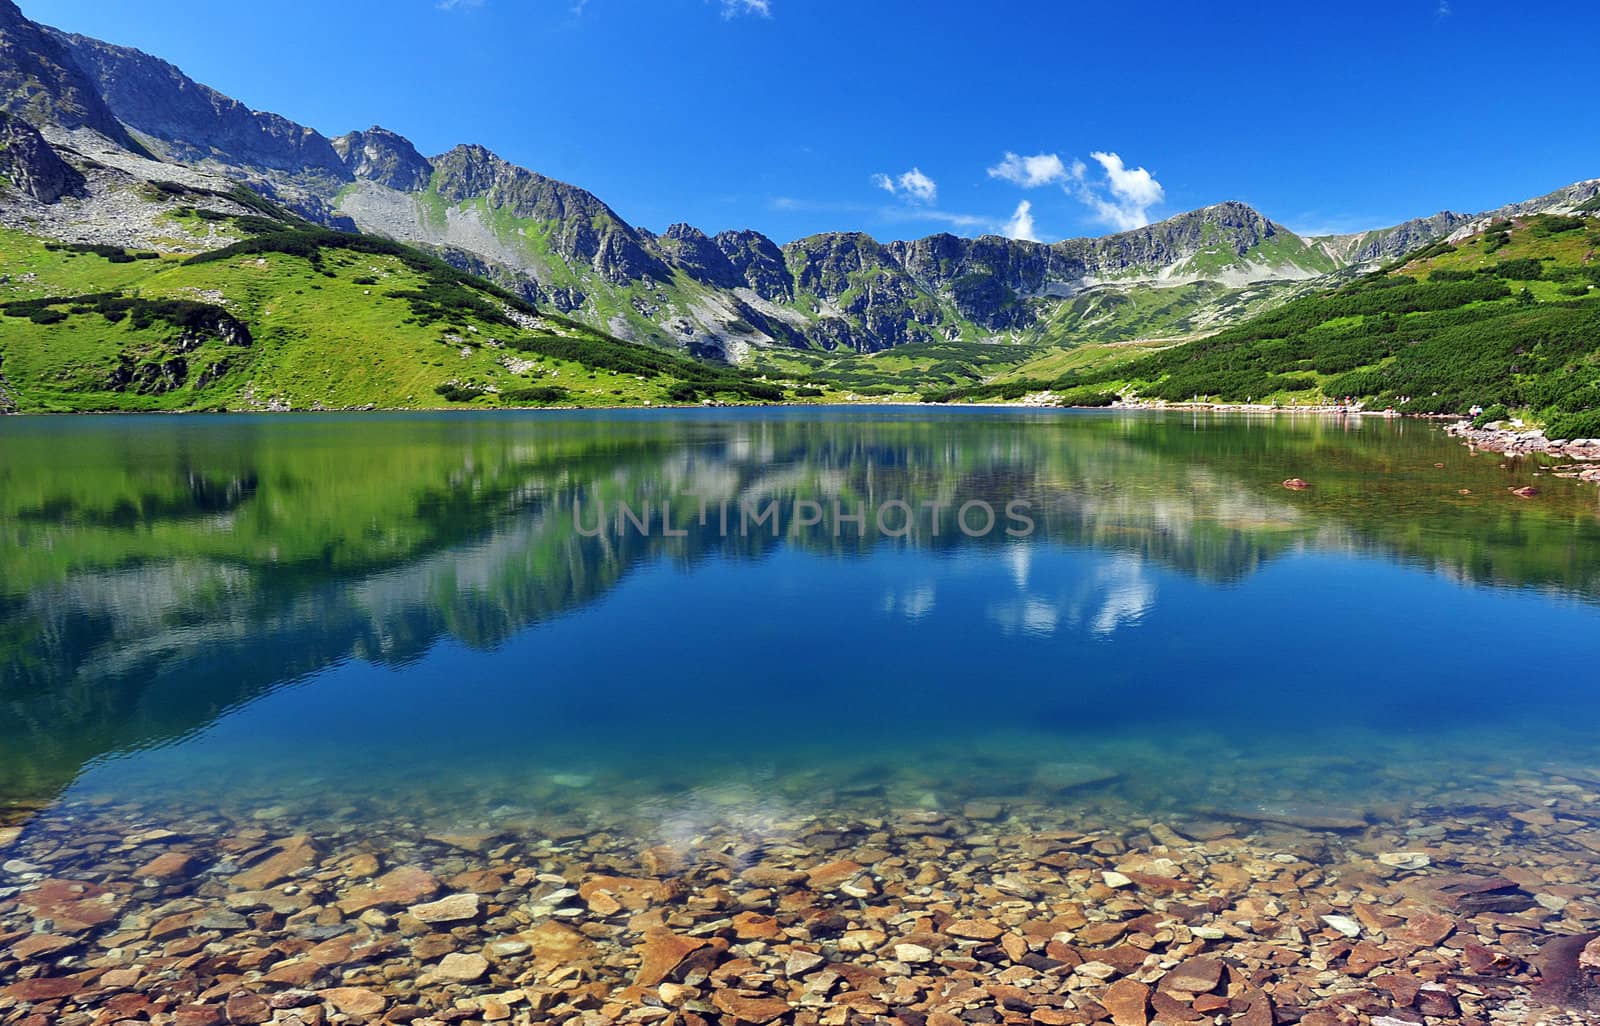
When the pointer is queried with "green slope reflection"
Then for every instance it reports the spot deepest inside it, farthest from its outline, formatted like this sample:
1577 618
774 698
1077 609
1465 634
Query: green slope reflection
156 572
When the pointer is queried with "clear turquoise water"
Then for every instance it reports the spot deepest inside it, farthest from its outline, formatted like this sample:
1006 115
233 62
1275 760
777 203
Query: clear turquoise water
371 614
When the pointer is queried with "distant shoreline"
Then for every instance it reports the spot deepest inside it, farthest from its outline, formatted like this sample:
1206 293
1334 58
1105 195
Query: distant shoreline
1242 408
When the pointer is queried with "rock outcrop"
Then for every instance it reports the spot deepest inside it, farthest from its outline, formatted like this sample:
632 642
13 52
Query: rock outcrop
759 262
379 155
32 165
690 250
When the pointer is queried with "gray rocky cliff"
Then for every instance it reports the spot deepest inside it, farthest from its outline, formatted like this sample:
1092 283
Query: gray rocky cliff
31 165
1393 243
41 83
193 122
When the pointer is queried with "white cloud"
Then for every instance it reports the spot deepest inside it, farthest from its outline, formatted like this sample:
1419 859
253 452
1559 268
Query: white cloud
1134 186
1133 192
913 186
1021 224
1122 198
734 8
1032 172
458 5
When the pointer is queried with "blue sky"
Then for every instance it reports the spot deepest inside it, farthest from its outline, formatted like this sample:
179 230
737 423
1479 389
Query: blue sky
905 117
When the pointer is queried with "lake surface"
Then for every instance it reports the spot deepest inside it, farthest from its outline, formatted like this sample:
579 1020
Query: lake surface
668 627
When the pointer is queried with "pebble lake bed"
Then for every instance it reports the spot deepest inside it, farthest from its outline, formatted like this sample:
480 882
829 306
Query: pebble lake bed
348 720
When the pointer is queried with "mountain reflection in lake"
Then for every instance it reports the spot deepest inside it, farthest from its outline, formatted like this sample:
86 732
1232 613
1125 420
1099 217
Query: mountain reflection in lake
159 578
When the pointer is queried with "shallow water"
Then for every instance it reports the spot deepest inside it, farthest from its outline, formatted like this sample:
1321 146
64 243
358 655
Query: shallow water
413 610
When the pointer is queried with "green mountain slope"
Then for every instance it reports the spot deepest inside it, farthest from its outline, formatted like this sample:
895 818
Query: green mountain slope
296 317
1509 317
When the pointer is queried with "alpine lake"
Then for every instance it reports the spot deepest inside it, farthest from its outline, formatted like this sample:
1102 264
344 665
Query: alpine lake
793 715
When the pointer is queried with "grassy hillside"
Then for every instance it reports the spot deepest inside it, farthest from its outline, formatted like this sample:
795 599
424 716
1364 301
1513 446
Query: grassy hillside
294 317
1508 319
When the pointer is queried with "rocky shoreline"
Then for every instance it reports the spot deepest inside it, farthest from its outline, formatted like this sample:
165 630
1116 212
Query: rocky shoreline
1517 443
1035 909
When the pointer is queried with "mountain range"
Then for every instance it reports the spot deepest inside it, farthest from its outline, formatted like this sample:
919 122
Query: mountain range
107 119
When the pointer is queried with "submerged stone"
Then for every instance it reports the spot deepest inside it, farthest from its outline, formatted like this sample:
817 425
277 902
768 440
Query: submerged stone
462 967
1405 859
355 1000
1344 924
1069 776
661 954
453 909
1308 816
403 886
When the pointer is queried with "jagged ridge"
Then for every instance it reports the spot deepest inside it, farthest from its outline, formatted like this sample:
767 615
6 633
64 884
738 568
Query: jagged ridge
561 245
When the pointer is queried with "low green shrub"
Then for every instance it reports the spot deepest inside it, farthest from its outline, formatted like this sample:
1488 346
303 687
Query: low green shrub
534 394
458 393
1575 425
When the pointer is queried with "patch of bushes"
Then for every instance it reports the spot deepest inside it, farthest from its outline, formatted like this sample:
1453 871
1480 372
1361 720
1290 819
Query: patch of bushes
534 394
182 314
642 361
1087 395
1009 391
113 254
451 301
1575 425
1524 269
455 392
1546 225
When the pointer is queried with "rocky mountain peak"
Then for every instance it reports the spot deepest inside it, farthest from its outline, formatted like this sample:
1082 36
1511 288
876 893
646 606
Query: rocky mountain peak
685 232
1239 220
579 227
470 170
759 262
379 155
689 249
1231 211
